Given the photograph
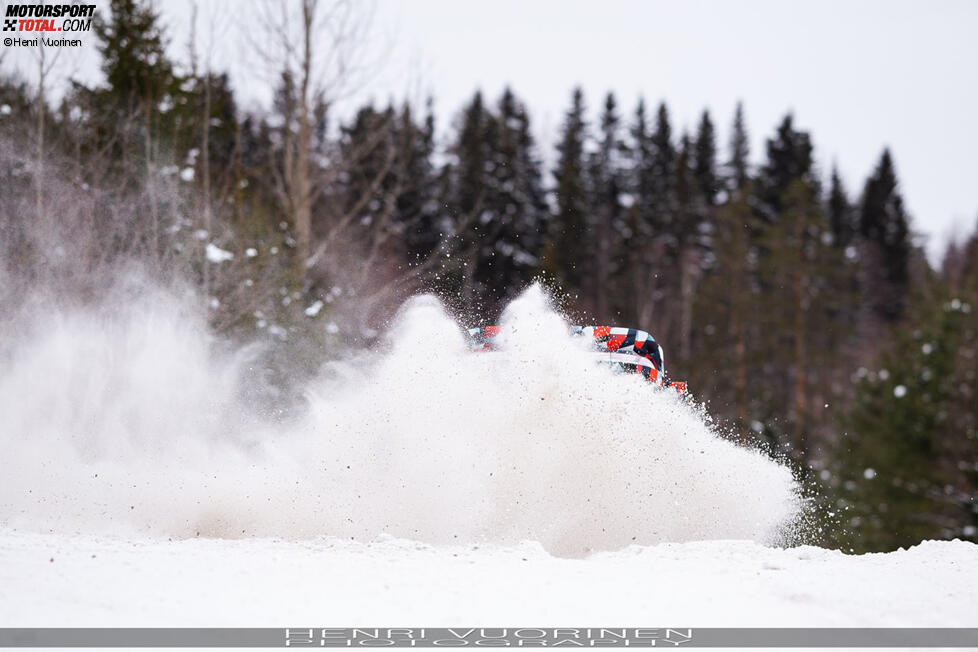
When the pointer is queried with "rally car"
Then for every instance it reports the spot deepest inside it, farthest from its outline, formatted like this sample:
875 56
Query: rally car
624 349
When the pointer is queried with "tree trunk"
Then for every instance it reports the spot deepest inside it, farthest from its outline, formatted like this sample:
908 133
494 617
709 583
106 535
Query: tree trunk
801 351
687 290
39 173
150 182
303 184
205 152
740 359
601 284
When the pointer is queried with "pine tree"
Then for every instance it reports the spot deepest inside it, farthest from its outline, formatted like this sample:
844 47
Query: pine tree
663 247
732 279
641 233
642 175
704 161
686 219
534 220
605 168
884 226
725 304
468 199
840 212
698 251
369 156
785 243
960 264
417 203
663 172
726 311
685 231
739 165
19 247
124 117
134 61
512 242
842 280
128 120
904 457
136 108
498 203
799 335
569 237
789 157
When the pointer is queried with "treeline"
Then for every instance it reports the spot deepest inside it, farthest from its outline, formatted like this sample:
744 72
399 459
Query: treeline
801 311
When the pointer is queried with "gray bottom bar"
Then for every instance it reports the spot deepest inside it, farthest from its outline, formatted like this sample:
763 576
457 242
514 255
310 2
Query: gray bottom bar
484 637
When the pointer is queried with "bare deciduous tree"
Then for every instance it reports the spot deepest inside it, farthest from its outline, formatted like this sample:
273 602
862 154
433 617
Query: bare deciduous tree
318 49
46 61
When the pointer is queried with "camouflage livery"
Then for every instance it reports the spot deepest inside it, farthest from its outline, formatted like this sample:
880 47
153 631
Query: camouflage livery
627 349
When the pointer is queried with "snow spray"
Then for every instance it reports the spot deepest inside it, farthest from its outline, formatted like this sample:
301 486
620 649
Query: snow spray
131 421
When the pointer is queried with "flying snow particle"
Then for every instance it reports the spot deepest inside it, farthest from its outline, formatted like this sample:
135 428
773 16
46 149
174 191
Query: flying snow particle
314 308
332 328
5 109
370 442
217 255
900 391
187 174
251 252
927 348
869 474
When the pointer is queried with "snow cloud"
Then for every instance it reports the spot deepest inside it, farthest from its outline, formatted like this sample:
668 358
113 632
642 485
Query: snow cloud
131 420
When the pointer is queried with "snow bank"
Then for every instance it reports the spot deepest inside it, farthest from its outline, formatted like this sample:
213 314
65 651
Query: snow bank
108 582
129 420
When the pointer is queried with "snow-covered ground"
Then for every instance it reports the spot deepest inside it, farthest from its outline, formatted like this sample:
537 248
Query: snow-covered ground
102 581
526 487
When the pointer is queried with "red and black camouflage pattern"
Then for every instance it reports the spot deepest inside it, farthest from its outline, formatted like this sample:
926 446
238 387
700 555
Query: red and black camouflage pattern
630 349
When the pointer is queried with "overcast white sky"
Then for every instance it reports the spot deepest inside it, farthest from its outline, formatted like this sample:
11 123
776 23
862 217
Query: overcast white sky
860 75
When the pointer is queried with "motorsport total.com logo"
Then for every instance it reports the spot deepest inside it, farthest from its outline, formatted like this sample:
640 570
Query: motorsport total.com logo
40 17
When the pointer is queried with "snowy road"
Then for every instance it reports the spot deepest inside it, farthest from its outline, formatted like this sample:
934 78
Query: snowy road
100 581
